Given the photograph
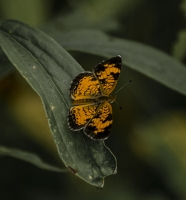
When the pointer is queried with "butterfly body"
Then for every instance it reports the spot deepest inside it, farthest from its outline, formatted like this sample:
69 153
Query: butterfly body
91 97
98 100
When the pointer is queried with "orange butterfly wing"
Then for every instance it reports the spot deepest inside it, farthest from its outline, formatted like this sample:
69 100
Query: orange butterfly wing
107 72
88 110
79 116
99 126
85 86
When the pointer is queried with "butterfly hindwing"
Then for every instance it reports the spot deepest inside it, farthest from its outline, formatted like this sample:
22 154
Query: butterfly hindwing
108 73
79 116
100 125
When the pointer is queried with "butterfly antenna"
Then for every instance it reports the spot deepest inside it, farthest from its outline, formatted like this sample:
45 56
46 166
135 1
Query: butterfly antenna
123 86
118 91
118 104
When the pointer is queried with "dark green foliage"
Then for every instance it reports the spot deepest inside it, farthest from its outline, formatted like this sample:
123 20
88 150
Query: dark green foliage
49 69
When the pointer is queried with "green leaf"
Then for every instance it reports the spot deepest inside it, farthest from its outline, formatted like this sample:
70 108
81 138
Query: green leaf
49 69
144 59
28 157
179 48
183 7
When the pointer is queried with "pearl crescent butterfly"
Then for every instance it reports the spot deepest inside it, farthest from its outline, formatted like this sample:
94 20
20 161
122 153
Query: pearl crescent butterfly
91 99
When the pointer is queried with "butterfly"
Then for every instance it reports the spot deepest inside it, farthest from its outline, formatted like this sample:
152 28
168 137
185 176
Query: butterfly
91 97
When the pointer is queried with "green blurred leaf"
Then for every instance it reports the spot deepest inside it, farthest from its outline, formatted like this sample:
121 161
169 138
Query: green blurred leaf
144 59
28 157
161 142
179 48
49 69
37 13
183 7
101 15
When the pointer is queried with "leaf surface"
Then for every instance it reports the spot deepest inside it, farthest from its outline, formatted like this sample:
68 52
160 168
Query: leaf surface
144 59
28 157
49 69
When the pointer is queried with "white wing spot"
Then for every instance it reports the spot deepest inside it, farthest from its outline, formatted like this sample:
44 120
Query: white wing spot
52 107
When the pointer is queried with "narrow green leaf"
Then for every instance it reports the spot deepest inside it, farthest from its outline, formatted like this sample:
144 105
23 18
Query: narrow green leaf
144 59
49 69
28 157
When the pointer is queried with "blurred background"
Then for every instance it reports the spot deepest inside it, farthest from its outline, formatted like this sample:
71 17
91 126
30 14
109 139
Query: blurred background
149 133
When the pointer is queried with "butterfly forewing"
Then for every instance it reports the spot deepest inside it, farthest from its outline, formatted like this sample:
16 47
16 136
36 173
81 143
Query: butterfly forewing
85 86
108 73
